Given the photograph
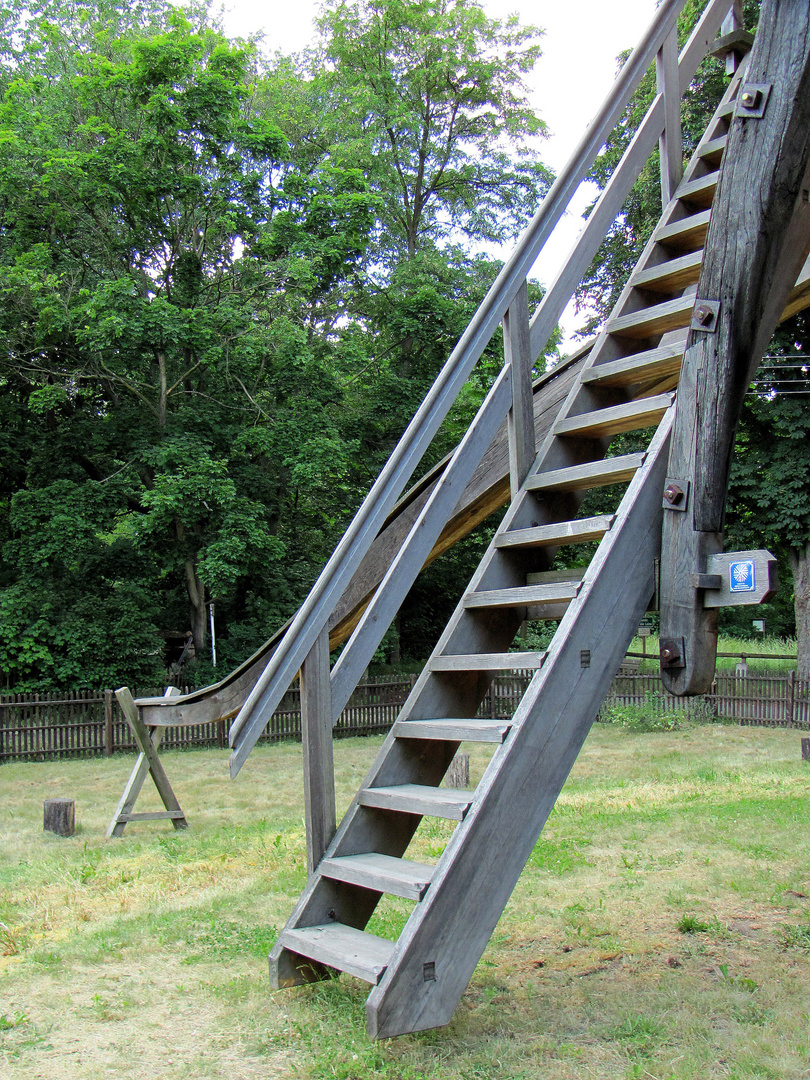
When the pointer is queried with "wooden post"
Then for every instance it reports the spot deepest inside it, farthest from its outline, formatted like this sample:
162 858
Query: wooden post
108 723
791 697
316 736
517 355
758 239
805 749
671 141
458 775
60 816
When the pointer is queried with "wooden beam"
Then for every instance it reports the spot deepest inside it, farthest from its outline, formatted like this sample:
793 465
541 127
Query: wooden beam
316 734
520 421
671 140
758 240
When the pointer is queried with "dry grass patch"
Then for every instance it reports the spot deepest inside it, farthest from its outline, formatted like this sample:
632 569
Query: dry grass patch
661 927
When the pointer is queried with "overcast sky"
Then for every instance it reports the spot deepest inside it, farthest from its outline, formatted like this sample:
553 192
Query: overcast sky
582 40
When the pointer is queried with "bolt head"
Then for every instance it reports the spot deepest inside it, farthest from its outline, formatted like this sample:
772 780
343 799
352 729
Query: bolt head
703 314
673 493
751 99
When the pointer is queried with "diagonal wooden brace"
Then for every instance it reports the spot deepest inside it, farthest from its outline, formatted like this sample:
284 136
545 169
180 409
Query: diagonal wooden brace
147 739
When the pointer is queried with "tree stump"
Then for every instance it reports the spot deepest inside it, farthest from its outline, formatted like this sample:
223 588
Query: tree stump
458 775
60 816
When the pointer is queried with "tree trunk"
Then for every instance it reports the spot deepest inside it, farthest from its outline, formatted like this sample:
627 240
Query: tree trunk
197 614
800 565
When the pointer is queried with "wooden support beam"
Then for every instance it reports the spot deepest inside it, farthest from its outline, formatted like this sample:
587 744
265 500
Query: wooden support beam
520 422
671 142
319 768
758 240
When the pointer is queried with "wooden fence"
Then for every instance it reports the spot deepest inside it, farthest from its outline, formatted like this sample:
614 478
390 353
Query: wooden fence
39 727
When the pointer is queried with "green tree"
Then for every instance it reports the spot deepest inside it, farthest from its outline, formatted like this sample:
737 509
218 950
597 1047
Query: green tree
159 252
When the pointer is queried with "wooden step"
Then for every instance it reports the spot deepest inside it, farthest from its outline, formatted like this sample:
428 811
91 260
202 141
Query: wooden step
653 321
687 234
418 799
339 946
663 362
591 474
712 151
381 873
579 531
553 593
603 423
672 276
699 192
452 730
504 661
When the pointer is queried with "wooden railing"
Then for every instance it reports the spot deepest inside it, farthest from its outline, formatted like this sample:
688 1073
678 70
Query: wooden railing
305 646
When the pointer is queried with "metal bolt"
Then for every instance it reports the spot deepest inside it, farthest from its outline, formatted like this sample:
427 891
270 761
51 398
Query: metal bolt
703 314
673 493
751 99
669 653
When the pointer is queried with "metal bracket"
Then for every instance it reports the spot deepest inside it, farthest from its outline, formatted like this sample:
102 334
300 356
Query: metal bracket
672 653
752 99
676 494
705 316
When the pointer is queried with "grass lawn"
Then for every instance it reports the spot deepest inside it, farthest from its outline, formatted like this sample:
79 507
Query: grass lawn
661 928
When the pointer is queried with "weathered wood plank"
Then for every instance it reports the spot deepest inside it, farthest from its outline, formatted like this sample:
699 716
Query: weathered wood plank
686 234
520 420
578 531
592 474
354 951
652 321
397 877
503 661
671 276
453 730
318 755
520 597
603 423
418 799
638 367
758 240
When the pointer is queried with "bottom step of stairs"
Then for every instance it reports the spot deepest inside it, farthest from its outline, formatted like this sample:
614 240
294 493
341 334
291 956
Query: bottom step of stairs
343 947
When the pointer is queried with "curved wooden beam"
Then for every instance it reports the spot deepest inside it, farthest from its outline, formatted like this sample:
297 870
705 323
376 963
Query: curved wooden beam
757 243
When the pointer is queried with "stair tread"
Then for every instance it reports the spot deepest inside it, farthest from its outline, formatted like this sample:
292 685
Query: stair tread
670 275
712 151
418 799
699 191
663 361
686 234
601 473
453 730
512 661
578 531
523 594
616 418
343 947
384 873
654 319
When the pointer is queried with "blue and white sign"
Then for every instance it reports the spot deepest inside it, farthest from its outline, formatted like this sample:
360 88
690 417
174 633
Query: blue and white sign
741 576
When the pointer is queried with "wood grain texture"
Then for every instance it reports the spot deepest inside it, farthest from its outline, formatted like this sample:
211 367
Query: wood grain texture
758 240
316 738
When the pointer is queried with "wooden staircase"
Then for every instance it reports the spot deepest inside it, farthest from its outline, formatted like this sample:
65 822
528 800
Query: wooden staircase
626 385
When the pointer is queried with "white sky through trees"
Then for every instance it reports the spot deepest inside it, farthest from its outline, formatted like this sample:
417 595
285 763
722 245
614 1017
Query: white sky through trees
581 42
